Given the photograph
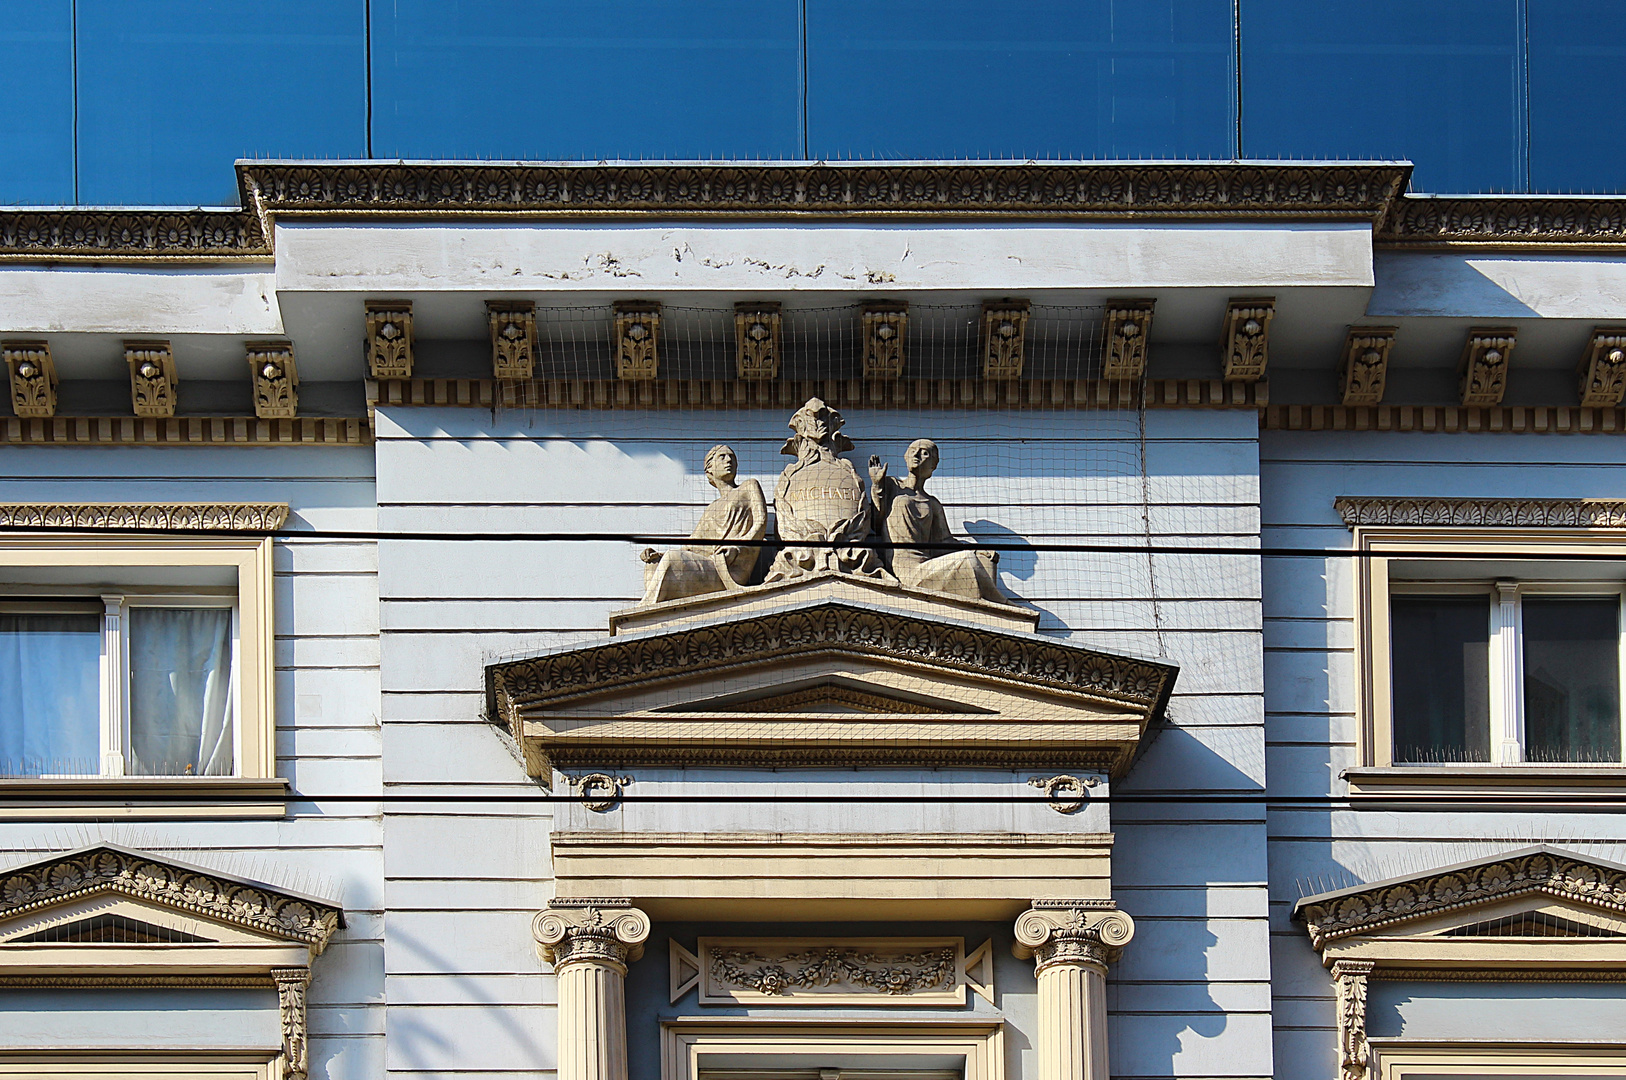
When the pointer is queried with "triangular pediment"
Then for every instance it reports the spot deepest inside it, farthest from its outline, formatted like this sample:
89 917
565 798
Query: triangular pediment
1537 894
826 682
108 897
834 696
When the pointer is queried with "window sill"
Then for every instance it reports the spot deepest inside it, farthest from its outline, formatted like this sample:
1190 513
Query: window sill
1585 783
142 798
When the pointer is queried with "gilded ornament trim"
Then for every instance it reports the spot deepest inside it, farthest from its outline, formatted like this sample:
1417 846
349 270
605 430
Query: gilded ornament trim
169 517
1330 917
547 681
106 868
1484 513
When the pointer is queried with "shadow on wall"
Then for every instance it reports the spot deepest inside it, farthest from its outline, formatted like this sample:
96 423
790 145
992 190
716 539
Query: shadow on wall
1174 862
1020 565
438 1039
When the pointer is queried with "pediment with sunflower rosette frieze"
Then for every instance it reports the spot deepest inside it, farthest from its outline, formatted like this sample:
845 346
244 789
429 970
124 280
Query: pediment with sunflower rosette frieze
1509 914
829 683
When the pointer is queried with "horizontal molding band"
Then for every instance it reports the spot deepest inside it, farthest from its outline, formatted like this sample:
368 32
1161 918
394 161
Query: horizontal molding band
839 393
1518 419
184 431
796 191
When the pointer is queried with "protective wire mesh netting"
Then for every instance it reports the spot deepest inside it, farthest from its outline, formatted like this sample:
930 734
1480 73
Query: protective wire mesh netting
1035 486
941 341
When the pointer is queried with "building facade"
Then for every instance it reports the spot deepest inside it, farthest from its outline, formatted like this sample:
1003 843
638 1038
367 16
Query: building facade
708 621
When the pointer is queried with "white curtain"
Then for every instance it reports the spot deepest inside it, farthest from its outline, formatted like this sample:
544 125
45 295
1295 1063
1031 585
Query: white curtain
50 694
180 692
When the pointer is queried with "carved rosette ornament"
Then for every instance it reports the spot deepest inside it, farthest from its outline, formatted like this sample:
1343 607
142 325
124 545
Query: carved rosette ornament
1071 942
1364 368
590 943
1349 992
1004 338
885 326
1247 339
513 338
1602 371
276 379
292 984
108 869
33 378
1127 325
1483 367
757 329
389 339
152 377
637 339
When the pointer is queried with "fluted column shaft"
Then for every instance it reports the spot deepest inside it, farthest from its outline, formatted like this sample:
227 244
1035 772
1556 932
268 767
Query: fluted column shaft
1070 947
590 945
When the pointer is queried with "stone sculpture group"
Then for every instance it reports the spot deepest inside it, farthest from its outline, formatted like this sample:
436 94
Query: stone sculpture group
897 534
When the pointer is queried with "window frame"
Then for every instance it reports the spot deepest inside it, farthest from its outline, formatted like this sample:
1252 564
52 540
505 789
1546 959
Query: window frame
1379 547
254 788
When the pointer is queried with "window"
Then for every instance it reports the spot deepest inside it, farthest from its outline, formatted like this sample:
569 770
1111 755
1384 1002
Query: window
1507 673
131 662
127 685
1490 652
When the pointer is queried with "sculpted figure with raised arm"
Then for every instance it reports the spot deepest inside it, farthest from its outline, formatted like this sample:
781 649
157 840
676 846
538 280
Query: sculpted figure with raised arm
820 498
736 518
911 519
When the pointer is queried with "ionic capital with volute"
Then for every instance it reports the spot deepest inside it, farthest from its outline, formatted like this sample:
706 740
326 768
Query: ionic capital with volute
591 931
1072 932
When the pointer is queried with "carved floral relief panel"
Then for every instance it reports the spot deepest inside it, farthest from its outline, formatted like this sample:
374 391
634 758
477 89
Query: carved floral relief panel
831 971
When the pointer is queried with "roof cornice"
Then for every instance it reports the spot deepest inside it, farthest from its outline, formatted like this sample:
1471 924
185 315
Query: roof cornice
1152 191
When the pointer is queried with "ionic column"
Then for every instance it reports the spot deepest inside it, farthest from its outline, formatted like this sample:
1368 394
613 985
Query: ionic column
590 943
1071 942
